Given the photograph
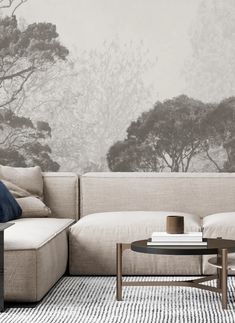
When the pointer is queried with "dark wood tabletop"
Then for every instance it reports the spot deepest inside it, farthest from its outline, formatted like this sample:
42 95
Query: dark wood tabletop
212 247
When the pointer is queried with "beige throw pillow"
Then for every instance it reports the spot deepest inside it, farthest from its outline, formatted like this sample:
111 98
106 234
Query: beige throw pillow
28 179
33 207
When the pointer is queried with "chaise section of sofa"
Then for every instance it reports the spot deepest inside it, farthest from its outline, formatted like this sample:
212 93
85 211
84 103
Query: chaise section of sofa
36 255
36 249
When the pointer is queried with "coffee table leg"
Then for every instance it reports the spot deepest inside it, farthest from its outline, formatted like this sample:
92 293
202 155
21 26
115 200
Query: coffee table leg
224 276
119 271
1 271
219 269
219 278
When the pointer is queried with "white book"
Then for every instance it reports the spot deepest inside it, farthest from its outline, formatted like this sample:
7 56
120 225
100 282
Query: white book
176 241
189 236
163 233
199 244
192 239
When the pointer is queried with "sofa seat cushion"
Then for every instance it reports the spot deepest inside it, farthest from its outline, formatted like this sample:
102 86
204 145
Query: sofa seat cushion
93 243
33 233
218 225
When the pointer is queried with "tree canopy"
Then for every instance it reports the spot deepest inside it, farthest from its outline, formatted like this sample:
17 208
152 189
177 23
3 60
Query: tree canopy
173 133
23 53
24 144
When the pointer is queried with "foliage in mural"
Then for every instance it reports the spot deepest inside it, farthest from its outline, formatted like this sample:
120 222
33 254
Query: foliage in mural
24 53
136 93
173 133
23 143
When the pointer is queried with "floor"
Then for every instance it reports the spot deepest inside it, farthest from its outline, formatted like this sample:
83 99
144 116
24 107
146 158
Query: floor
92 300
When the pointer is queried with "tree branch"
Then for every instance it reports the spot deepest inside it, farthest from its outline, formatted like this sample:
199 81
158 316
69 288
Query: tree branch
20 73
16 7
9 4
213 161
14 95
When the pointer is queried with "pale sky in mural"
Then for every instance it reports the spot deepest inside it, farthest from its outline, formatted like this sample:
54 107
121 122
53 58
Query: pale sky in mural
162 25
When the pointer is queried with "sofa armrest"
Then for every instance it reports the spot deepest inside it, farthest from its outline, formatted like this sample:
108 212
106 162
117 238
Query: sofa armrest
61 194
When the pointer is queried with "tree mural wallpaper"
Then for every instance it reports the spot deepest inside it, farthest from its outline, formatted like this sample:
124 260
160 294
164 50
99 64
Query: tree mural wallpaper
128 85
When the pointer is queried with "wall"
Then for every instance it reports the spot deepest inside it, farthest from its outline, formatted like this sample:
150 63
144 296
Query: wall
128 85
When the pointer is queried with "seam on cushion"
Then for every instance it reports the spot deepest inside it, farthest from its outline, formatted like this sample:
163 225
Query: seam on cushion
55 235
81 200
76 193
46 241
52 174
163 175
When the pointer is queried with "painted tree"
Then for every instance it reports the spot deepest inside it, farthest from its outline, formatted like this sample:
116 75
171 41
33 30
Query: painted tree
24 144
221 126
11 5
132 155
165 138
25 54
90 100
111 92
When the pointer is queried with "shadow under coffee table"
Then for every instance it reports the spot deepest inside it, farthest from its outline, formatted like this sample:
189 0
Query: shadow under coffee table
220 247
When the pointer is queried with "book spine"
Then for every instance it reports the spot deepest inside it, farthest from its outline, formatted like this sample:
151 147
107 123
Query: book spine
177 244
176 241
160 239
168 235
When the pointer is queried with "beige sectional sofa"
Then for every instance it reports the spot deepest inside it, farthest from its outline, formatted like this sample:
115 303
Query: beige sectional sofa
36 249
111 208
93 237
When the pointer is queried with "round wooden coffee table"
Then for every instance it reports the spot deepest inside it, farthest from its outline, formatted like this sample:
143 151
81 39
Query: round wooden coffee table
220 247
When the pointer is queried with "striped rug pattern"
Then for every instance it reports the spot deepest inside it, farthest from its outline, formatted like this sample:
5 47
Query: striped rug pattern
92 300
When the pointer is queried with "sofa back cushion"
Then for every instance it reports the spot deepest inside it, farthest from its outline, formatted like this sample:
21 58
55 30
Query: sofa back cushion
196 193
61 194
25 178
33 207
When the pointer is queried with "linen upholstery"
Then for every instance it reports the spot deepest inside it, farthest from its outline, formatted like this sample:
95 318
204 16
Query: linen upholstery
33 207
218 225
15 190
92 244
196 193
61 194
36 255
29 201
33 233
26 178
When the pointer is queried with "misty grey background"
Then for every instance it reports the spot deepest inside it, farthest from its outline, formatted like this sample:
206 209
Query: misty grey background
124 56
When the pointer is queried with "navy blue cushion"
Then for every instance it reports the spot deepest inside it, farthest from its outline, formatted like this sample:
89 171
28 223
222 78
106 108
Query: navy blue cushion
9 208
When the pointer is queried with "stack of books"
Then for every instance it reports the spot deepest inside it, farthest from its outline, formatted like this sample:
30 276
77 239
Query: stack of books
186 239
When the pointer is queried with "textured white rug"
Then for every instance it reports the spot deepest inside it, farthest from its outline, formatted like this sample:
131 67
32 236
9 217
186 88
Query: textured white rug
92 300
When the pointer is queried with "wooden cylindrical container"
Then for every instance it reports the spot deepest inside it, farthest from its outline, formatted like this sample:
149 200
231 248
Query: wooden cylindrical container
175 224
